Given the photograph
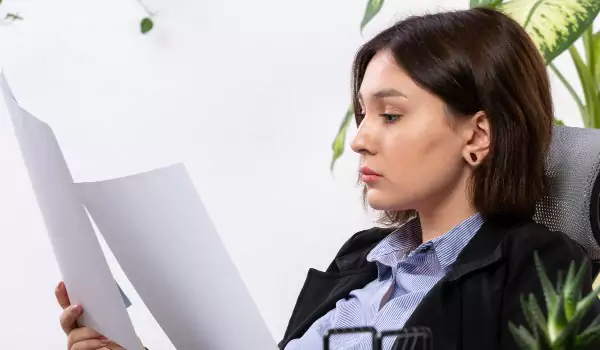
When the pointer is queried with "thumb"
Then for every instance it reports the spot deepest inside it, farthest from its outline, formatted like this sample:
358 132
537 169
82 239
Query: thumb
113 346
62 296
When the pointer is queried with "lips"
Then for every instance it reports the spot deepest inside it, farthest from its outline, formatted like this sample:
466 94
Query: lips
369 175
368 171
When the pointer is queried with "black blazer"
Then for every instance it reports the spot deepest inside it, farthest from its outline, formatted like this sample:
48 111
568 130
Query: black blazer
469 308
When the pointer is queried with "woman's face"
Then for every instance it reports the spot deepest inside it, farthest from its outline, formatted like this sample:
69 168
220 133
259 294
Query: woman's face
412 151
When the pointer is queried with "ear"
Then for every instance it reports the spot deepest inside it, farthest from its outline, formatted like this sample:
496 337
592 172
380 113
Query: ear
478 138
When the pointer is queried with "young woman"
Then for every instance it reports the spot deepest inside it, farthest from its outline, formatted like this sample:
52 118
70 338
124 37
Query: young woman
454 117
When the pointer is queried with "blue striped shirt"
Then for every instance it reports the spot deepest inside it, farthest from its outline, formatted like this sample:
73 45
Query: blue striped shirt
407 270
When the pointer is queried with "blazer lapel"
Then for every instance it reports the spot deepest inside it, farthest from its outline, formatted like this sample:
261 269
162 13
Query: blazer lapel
322 290
319 295
441 309
482 250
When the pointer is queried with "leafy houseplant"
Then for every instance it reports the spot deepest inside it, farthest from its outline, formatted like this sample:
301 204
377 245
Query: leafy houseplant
11 17
566 309
146 23
554 26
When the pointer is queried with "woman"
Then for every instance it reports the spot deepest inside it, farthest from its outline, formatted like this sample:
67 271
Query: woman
455 115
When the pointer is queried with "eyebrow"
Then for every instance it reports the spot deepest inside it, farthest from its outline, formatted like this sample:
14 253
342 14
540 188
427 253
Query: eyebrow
383 93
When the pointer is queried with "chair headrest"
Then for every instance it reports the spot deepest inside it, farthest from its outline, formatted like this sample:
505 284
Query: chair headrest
573 204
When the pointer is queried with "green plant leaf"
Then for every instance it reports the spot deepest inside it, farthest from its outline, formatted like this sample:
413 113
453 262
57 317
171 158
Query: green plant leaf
589 339
593 325
13 17
569 87
588 45
559 122
553 24
568 334
538 318
557 321
596 64
584 304
569 294
596 47
340 139
588 84
524 339
528 315
548 289
373 8
484 3
570 274
146 25
572 290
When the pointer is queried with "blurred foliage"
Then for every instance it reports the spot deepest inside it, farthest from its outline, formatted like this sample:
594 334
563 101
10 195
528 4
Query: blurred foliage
12 17
146 24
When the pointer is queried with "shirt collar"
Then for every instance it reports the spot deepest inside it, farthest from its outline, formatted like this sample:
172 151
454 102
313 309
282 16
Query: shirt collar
407 238
399 243
449 245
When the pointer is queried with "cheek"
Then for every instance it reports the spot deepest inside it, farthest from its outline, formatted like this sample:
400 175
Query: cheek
420 164
421 152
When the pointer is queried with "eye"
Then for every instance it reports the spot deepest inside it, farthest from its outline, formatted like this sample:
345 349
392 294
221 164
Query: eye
390 118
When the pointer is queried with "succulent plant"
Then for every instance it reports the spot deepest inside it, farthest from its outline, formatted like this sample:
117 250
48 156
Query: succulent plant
566 309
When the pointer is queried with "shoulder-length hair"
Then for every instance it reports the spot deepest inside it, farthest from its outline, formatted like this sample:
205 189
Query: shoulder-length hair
479 60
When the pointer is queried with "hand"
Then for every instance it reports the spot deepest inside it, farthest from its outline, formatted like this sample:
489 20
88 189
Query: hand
79 338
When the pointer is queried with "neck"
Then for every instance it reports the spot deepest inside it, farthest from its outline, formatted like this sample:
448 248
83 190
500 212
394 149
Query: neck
447 212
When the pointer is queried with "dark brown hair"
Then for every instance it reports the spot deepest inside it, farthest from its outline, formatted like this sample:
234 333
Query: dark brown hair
479 60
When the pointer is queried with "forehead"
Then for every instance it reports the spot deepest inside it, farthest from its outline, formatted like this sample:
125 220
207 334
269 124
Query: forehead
384 73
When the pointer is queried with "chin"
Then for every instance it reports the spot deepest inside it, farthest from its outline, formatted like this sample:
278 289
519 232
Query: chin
380 201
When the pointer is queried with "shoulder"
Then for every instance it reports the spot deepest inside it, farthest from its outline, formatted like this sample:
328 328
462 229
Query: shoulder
530 237
515 242
523 277
556 252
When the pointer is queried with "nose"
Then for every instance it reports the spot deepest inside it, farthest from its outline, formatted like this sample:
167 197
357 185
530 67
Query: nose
364 141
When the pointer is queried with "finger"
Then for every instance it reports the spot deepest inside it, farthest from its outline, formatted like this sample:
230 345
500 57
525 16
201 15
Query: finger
62 296
83 333
90 344
69 316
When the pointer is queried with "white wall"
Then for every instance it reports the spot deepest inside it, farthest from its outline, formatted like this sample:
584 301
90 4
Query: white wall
248 93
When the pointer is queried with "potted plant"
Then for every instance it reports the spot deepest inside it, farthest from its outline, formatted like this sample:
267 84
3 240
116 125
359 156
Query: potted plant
566 308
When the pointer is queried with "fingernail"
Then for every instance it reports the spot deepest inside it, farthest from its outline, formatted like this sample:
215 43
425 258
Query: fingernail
60 285
76 308
104 340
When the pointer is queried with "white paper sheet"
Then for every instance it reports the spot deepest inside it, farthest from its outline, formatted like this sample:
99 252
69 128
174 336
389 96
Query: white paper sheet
164 240
76 247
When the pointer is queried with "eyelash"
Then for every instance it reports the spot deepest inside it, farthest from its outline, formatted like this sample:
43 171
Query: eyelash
387 116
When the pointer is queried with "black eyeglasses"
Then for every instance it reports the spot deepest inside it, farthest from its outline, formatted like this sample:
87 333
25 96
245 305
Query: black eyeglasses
415 338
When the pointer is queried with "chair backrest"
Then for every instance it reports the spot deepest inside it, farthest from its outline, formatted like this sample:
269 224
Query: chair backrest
573 204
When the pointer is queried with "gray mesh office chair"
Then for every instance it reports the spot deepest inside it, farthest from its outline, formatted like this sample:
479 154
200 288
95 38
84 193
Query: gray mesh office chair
573 205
